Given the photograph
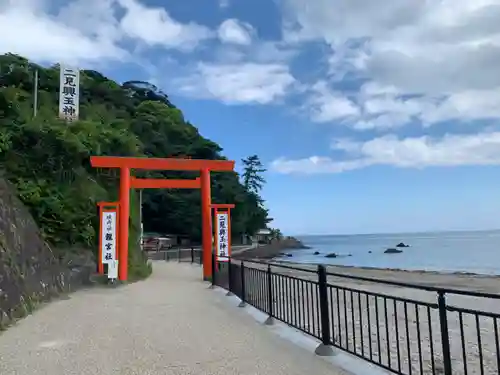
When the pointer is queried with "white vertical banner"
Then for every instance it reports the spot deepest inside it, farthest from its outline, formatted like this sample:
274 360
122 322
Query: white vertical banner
222 228
69 93
108 239
113 269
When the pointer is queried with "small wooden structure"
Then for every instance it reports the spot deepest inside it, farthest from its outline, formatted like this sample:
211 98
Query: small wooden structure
263 236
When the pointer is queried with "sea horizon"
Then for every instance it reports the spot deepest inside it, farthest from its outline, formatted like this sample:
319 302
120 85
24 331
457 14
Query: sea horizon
470 251
395 233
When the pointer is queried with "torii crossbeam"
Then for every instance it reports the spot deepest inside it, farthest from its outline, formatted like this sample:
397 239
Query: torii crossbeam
152 183
125 164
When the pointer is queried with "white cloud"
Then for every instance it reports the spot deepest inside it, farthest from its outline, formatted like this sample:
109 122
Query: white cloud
381 122
444 54
326 105
260 52
241 71
238 83
154 26
95 19
31 32
420 152
236 32
90 32
384 107
465 105
84 32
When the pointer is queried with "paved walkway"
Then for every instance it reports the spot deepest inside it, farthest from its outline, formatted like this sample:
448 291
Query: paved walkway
169 324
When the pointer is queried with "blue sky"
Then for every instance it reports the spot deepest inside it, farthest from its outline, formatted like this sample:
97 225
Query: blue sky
378 116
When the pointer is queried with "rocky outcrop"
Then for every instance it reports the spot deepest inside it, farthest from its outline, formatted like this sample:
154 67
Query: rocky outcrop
272 250
335 255
30 272
402 244
292 243
393 251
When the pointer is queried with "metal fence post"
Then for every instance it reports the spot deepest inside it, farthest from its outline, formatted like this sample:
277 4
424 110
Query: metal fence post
229 277
179 254
270 318
445 338
242 276
200 254
214 259
192 255
323 349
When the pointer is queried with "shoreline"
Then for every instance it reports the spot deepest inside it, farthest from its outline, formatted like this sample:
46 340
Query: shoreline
457 281
419 271
467 281
272 250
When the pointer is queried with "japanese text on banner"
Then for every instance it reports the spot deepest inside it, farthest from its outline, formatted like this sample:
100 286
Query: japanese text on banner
108 240
69 93
222 236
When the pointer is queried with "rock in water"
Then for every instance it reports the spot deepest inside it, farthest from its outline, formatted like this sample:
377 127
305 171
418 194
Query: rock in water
393 251
331 255
402 244
316 253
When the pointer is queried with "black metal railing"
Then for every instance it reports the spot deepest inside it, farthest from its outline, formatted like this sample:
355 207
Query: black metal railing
179 254
404 328
408 329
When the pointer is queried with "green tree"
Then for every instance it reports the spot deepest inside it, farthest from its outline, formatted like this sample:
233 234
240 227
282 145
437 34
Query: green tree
276 234
256 216
252 174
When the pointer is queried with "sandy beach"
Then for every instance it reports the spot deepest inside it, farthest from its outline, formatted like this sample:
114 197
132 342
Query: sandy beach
387 323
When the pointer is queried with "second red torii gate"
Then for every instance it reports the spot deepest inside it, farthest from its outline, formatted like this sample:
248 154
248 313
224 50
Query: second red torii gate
125 164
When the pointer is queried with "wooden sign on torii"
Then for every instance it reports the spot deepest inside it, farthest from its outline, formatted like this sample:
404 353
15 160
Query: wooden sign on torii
126 164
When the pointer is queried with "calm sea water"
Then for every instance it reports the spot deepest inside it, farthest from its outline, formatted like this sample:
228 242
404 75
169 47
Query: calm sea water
474 252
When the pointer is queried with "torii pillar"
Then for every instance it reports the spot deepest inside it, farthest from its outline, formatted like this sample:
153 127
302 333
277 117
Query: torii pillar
126 164
206 219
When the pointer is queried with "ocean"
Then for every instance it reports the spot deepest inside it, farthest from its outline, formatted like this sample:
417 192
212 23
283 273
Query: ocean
471 252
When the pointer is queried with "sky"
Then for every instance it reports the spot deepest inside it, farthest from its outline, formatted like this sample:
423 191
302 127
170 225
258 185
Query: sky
370 116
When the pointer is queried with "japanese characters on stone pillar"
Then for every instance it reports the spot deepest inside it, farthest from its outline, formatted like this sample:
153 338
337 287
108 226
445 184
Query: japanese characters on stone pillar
222 236
69 93
108 240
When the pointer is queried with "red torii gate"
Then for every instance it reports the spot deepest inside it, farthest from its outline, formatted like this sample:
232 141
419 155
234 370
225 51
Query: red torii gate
125 164
145 183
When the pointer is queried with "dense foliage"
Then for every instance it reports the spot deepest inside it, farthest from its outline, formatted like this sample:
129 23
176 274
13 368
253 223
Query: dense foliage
48 159
252 174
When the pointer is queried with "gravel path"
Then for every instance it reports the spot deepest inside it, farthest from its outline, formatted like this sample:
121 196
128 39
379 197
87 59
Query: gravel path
168 324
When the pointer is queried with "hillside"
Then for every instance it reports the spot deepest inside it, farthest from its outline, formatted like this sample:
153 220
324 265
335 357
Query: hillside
30 272
47 160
